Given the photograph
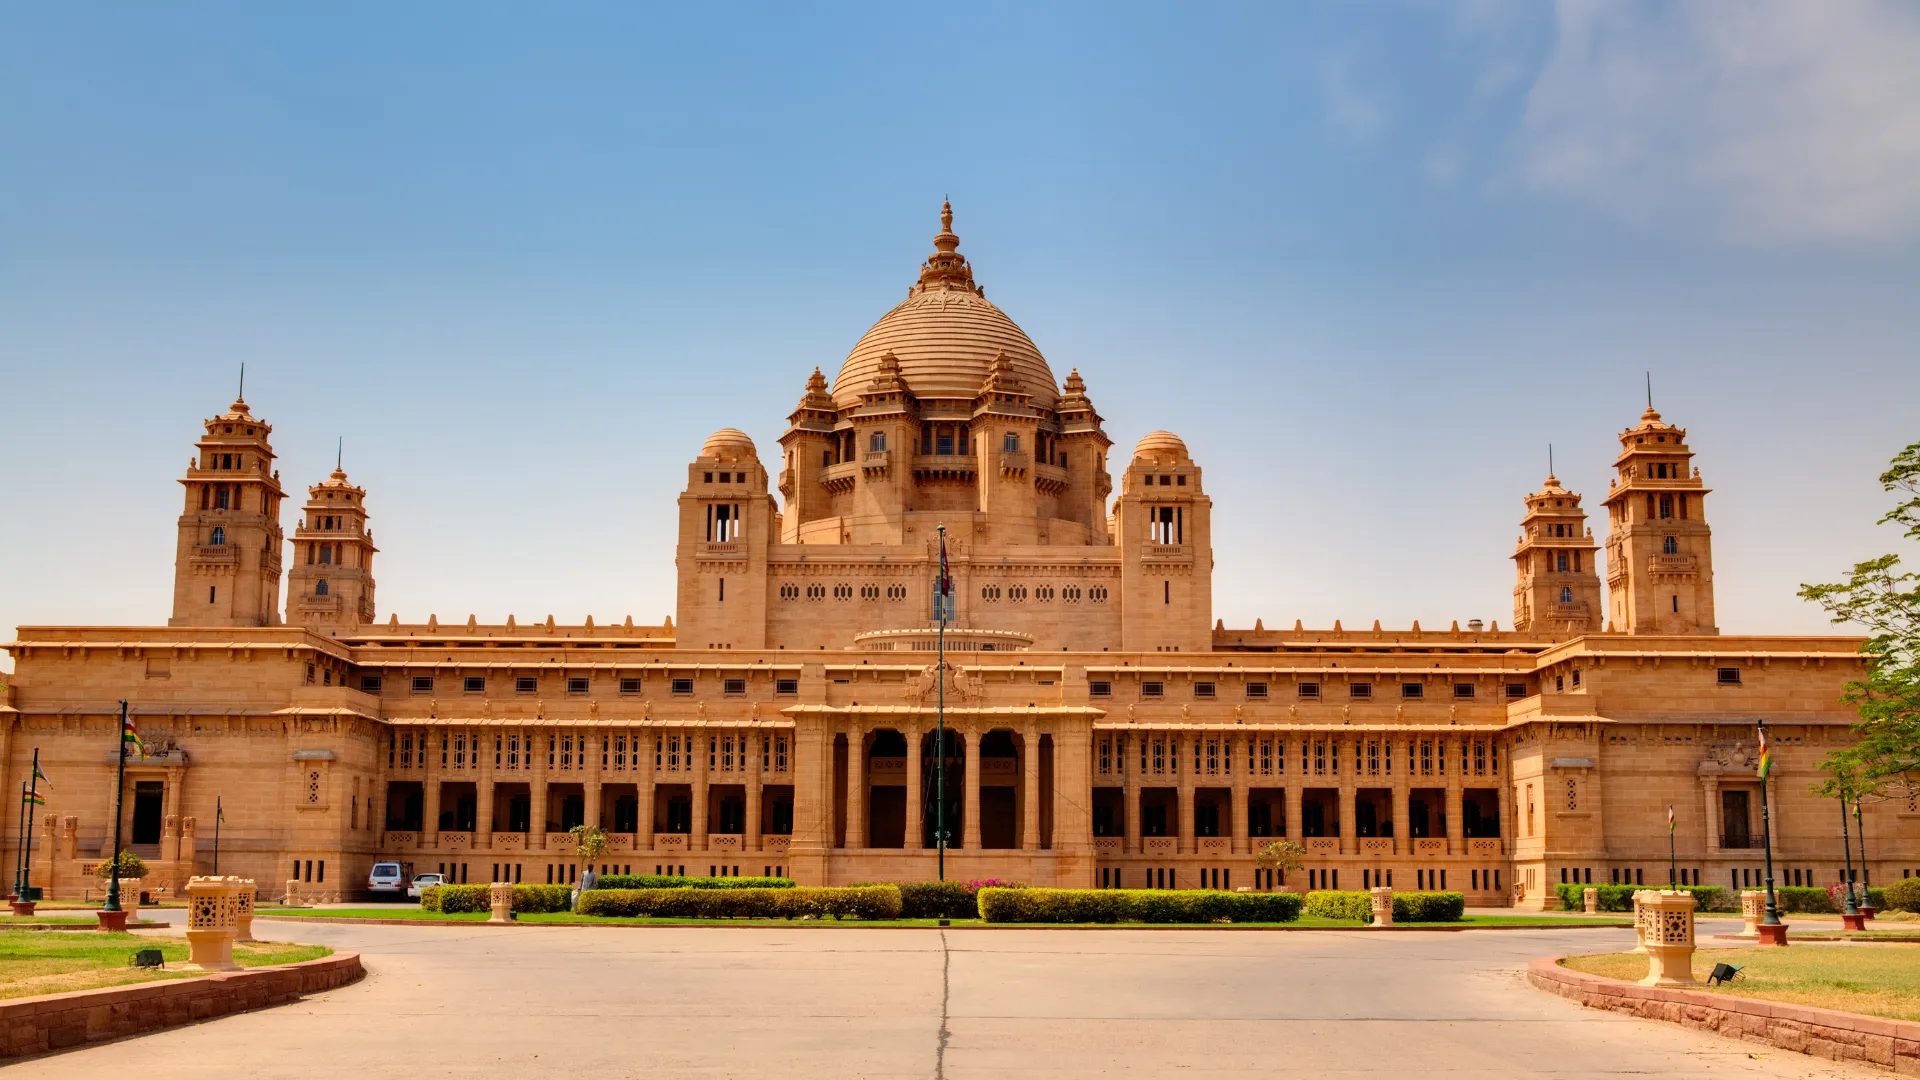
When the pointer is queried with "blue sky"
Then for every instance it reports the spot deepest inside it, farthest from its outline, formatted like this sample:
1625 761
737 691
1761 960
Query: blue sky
1369 261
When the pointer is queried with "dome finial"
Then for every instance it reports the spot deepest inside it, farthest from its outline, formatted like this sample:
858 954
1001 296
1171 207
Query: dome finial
945 240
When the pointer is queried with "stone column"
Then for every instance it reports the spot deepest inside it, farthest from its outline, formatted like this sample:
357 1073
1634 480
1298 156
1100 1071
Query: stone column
1239 768
430 822
755 761
1030 790
697 841
590 745
916 828
1183 764
971 834
1456 817
1349 751
857 798
1130 769
537 791
1403 801
483 794
1294 796
1710 790
1506 816
644 741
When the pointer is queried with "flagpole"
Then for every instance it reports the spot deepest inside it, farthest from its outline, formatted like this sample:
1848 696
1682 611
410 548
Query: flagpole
1866 876
1846 843
1772 917
26 853
217 817
119 797
1672 874
940 714
19 839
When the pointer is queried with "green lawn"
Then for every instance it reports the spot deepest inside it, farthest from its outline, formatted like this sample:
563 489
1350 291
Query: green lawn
64 920
1883 980
414 914
41 963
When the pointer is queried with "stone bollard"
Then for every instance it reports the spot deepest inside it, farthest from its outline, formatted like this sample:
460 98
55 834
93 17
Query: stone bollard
1383 906
243 911
500 898
1639 923
1592 900
213 906
293 892
1669 938
1753 908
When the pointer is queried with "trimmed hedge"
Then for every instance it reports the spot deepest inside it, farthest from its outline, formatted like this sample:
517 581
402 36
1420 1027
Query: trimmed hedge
1408 907
1005 905
453 899
663 881
1620 897
868 902
944 899
1902 895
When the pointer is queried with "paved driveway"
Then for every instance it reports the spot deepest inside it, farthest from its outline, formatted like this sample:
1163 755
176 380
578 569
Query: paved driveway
602 1003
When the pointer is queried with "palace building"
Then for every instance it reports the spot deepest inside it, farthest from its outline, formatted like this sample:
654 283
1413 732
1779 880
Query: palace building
1101 727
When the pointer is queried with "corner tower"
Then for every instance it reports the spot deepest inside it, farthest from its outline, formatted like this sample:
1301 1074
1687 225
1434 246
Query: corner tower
226 567
1557 576
1163 520
1659 548
330 586
727 523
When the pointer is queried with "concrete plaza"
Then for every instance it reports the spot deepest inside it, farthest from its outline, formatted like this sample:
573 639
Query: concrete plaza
474 1001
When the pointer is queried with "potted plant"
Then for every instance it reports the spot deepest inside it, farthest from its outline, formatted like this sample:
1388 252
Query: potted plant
132 870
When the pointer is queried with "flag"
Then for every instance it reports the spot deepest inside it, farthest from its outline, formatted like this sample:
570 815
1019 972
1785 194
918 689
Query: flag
130 737
34 798
219 812
946 576
40 777
1670 820
1766 755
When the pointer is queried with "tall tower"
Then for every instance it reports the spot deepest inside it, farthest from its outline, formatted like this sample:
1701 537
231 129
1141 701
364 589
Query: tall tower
1557 575
1659 548
727 522
330 585
1164 531
227 561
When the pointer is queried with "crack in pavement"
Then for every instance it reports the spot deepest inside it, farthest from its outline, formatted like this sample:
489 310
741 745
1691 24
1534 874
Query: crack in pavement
946 993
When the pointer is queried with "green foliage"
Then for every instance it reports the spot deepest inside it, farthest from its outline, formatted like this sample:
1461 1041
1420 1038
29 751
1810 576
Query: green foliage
452 899
1281 855
1884 599
1620 897
663 881
945 899
1902 895
589 842
1428 907
131 866
868 902
1006 905
1329 904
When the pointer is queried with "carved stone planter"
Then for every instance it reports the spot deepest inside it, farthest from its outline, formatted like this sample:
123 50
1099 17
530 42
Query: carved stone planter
1669 940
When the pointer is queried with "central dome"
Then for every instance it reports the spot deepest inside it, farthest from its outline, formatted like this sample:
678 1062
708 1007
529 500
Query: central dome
945 335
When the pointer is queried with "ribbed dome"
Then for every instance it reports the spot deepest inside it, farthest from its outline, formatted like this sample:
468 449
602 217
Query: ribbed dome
945 335
729 444
1163 447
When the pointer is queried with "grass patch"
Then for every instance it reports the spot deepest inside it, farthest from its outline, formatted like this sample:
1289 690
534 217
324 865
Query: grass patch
409 913
1879 981
40 963
562 918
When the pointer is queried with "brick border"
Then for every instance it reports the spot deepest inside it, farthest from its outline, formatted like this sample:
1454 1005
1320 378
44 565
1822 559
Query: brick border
38 1025
803 924
1824 1033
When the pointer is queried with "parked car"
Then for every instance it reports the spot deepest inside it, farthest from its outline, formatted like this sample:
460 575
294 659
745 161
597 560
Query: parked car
386 882
423 881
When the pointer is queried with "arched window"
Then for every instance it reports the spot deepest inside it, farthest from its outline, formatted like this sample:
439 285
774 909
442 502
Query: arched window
877 441
320 587
1670 546
1666 506
1566 596
219 537
326 554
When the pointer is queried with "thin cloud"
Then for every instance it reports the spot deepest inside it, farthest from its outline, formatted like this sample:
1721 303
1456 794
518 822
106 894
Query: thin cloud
1357 114
1774 121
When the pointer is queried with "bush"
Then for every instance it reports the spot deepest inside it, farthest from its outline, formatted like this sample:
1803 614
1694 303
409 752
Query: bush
1620 897
132 868
869 902
1010 905
1327 904
454 899
662 881
1903 895
1428 907
945 899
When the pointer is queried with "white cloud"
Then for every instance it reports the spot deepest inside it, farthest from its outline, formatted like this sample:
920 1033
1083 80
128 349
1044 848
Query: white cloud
1353 112
1772 121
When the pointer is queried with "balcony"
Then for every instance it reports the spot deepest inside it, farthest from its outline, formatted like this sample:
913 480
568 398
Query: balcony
1484 848
1675 564
1425 846
840 477
944 467
1051 479
714 549
776 844
1013 464
1323 845
726 843
216 553
876 463
1157 845
1376 845
670 842
329 602
1215 845
1106 845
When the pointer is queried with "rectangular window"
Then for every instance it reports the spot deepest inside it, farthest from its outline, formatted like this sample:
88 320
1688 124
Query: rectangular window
786 686
576 685
1729 676
1516 690
1256 689
474 684
1100 688
629 686
370 684
1359 690
1203 689
1153 689
525 684
734 686
423 684
1463 690
1412 690
683 686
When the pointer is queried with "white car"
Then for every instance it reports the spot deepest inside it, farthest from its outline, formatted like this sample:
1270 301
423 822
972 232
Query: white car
423 881
387 881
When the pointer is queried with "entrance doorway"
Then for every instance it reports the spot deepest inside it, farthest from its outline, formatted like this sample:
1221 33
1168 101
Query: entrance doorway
148 798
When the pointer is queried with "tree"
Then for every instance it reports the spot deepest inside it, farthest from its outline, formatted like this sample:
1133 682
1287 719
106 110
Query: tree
1280 855
1884 598
131 867
589 842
